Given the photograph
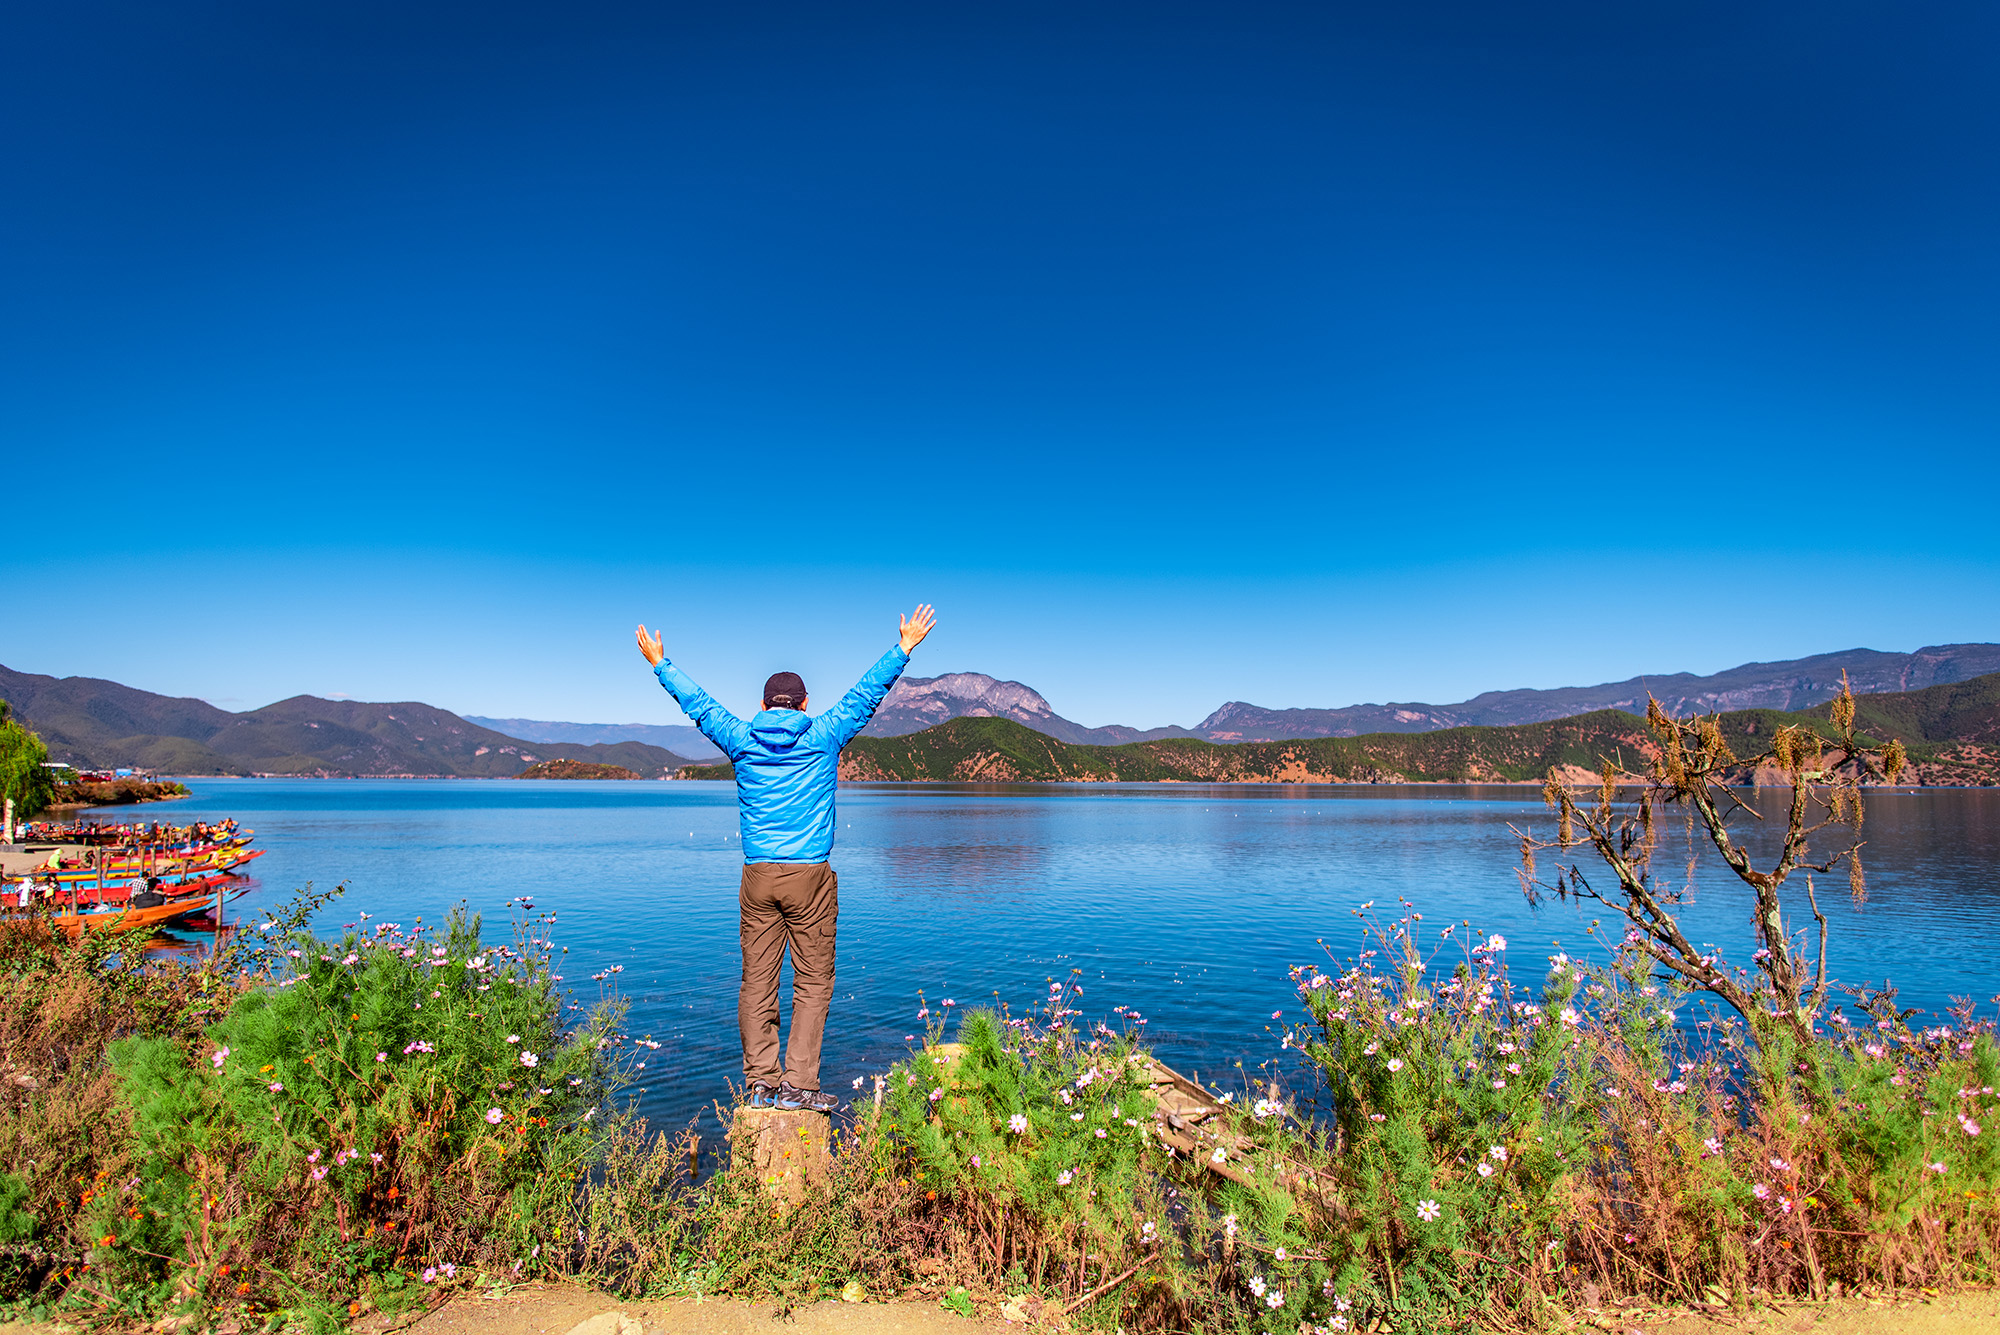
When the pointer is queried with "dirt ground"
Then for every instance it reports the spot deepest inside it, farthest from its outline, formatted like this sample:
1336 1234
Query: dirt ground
534 1309
558 1311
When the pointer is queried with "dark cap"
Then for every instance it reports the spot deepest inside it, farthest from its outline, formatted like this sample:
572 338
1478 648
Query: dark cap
785 689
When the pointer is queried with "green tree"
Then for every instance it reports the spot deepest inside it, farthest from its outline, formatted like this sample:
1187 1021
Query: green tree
23 767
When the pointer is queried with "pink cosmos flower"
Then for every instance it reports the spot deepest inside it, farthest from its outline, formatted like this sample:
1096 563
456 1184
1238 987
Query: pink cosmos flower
1428 1210
494 1115
219 1056
1018 1124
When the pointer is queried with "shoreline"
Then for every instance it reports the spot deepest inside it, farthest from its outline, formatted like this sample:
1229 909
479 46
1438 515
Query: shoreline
1534 784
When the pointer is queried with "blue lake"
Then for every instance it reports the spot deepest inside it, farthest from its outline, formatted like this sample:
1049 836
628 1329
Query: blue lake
1186 903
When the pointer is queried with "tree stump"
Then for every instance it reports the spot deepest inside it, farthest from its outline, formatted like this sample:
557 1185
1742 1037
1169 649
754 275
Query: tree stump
788 1150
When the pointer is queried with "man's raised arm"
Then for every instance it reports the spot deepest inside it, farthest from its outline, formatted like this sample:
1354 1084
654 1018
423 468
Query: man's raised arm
840 724
717 724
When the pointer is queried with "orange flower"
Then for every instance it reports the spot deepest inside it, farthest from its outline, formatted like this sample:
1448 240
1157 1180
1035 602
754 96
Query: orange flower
354 1309
242 1288
394 1192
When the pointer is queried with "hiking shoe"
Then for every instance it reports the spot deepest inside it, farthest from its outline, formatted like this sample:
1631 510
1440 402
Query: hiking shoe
793 1099
759 1095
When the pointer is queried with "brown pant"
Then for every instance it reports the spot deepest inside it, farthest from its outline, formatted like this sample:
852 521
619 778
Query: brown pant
784 904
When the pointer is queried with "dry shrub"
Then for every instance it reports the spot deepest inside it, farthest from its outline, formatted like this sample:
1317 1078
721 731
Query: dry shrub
63 1131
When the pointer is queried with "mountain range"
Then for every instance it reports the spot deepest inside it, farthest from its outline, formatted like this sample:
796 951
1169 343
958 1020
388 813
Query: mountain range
1951 731
92 724
917 703
95 723
681 738
1793 684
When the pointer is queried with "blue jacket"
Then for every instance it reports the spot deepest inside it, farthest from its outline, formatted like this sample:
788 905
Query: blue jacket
786 763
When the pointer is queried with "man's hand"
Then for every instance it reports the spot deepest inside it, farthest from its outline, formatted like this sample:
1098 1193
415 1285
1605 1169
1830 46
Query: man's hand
917 625
649 645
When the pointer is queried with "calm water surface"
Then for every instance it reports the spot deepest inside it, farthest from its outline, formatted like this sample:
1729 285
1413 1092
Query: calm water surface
1186 903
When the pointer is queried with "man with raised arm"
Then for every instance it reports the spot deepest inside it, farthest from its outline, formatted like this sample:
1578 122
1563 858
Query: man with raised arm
787 765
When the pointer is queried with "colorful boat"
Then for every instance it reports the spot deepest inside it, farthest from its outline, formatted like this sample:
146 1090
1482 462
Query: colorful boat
69 865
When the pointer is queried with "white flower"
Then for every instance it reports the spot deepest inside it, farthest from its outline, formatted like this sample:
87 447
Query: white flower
1496 942
1018 1124
513 1038
1257 1285
1486 1170
1428 1210
1220 1156
1395 1063
1498 1153
530 1059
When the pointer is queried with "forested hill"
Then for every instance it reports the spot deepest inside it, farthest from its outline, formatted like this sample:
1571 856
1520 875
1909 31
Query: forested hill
989 750
92 723
1952 732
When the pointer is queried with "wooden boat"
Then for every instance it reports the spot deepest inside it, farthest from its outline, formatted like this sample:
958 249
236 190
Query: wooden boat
119 885
177 890
216 856
117 921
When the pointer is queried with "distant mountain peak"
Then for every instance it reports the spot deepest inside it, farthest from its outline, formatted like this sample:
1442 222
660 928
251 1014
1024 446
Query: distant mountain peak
916 703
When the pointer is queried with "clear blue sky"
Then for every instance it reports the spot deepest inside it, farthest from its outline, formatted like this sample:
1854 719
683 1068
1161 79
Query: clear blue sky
1298 354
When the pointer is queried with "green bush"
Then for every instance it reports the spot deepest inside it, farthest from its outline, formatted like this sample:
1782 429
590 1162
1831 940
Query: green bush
402 1105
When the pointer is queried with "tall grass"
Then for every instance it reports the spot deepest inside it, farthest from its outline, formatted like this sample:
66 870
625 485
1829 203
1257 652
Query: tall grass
314 1128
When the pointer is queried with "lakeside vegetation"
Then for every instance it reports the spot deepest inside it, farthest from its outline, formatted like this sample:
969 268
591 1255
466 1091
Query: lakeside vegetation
575 769
24 776
310 1127
116 792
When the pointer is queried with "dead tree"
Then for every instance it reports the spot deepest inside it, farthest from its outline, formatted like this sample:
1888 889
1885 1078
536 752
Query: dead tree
1690 768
